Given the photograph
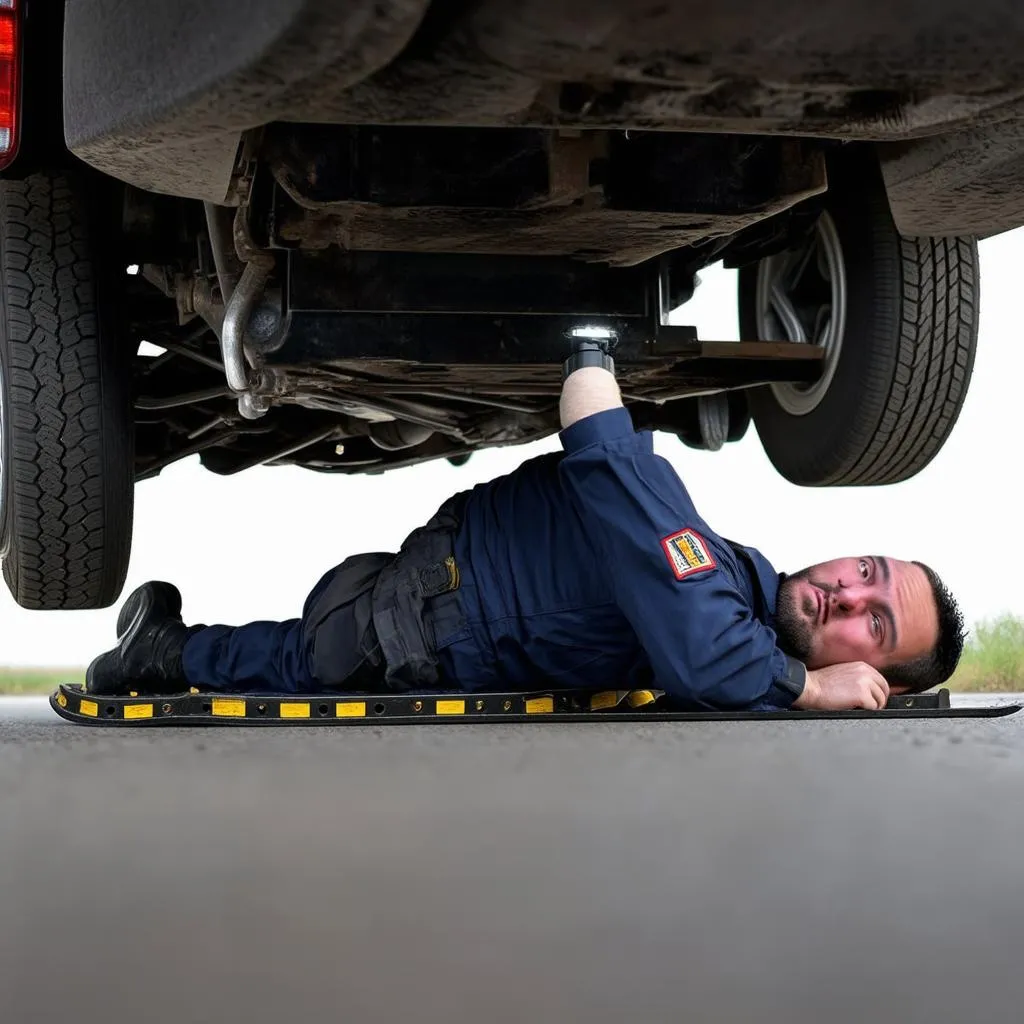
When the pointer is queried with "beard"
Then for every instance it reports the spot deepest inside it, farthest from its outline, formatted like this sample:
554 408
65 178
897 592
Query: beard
793 619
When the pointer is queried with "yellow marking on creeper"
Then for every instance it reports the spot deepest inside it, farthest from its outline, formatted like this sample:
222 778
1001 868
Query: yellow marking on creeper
638 698
223 707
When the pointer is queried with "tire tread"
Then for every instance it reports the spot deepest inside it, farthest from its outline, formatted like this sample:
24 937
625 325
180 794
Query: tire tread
914 343
69 452
937 338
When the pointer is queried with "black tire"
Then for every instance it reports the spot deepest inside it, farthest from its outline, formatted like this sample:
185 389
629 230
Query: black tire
66 419
907 351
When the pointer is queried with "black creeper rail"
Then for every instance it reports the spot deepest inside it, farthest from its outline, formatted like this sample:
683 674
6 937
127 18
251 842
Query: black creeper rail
70 701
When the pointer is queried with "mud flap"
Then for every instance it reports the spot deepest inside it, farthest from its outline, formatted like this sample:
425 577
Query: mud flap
72 703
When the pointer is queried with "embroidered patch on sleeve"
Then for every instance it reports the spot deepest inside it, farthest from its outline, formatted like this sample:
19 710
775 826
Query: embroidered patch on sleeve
687 553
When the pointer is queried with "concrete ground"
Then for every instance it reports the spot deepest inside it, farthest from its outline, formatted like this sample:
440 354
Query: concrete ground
769 872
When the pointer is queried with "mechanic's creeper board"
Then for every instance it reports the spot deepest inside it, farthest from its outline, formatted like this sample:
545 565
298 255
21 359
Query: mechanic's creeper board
74 704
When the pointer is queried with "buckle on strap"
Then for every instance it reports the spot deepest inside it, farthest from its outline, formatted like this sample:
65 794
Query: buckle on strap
439 578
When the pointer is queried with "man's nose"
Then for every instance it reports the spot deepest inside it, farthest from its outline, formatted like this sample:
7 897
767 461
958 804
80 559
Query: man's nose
848 600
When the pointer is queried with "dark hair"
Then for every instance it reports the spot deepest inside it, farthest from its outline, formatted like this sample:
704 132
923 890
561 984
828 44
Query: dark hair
941 661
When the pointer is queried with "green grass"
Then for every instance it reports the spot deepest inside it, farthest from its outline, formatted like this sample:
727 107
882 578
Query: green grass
26 681
993 662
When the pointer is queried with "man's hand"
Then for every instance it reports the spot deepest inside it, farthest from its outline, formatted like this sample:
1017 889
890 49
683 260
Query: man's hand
844 687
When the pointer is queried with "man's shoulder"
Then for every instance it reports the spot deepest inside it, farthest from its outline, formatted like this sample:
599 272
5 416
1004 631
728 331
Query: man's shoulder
751 565
751 555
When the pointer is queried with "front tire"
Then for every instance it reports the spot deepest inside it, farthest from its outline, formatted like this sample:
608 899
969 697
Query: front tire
899 330
66 454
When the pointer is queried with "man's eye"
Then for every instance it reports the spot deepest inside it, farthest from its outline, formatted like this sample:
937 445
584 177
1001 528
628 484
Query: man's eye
863 568
876 625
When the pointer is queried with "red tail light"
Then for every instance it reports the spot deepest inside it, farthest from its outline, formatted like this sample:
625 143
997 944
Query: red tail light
10 73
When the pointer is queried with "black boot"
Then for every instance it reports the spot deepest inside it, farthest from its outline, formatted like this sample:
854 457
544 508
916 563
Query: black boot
150 639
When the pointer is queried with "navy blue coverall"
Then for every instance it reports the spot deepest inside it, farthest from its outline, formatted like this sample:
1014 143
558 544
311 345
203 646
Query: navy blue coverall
586 568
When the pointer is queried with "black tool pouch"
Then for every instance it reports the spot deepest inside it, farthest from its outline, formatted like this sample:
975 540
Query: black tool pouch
415 600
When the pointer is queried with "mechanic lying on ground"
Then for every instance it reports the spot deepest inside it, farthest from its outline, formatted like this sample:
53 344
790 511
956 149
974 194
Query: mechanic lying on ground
583 569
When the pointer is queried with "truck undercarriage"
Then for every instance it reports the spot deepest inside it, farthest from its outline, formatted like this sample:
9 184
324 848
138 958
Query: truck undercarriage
364 235
403 310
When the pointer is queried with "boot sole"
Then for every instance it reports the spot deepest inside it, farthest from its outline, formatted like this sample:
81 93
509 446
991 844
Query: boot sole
166 603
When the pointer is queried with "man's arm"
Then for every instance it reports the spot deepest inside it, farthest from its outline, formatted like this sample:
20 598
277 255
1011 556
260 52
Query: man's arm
588 391
703 642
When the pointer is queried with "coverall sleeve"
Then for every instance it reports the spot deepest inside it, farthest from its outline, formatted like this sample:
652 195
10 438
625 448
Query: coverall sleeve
705 645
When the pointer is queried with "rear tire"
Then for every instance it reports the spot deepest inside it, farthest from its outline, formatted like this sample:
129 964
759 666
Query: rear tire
906 353
66 477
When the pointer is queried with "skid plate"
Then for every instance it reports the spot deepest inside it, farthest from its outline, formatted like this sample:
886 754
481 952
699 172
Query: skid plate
71 702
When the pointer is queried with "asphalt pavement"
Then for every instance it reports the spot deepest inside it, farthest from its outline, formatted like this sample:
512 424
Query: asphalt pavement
769 872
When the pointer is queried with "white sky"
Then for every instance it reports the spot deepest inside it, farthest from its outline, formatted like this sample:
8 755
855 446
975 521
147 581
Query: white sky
250 547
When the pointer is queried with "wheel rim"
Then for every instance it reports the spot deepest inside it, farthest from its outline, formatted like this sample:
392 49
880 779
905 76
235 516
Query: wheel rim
801 298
